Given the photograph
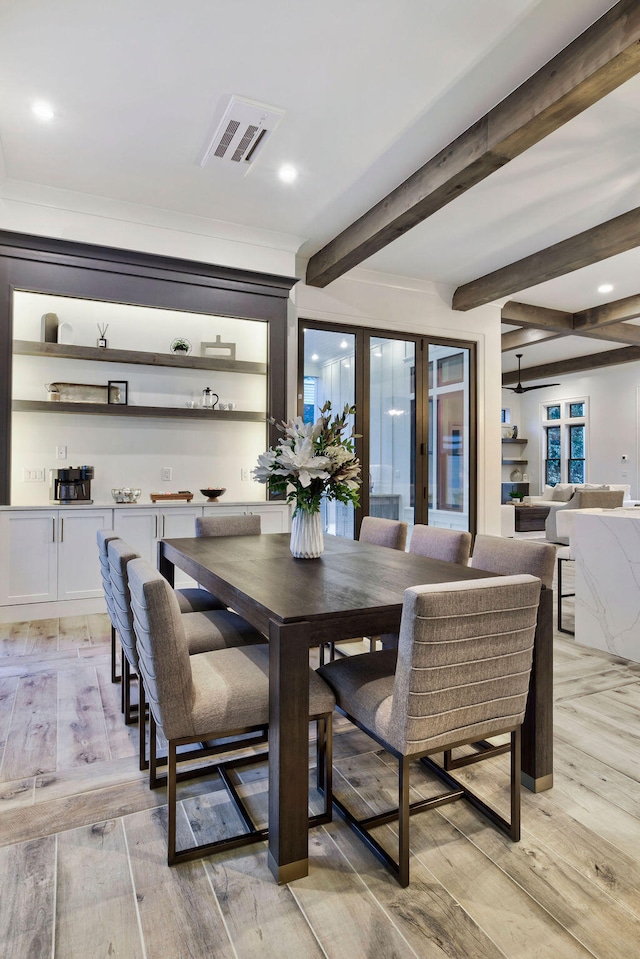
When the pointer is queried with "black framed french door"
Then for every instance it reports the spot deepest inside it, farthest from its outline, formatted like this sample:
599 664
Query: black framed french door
415 413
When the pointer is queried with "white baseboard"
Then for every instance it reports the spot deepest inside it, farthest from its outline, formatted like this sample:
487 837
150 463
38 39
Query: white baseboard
68 607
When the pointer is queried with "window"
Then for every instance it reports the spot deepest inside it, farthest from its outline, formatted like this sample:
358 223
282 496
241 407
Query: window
564 430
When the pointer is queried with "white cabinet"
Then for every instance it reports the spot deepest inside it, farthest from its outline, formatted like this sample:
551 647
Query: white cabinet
28 556
48 555
274 517
138 528
79 574
175 523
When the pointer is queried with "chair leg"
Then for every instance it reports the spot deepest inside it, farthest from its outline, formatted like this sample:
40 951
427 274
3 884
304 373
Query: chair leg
404 813
516 762
143 762
561 596
114 655
172 801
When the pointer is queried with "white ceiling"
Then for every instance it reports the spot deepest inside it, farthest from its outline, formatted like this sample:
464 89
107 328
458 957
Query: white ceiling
371 90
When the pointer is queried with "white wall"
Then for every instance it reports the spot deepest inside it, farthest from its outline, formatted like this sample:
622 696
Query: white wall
613 396
364 297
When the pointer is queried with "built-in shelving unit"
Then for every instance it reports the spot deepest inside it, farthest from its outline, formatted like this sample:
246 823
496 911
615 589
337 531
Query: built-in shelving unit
139 358
117 409
510 447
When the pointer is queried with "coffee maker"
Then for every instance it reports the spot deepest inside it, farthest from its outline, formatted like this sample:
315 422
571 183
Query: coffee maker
71 485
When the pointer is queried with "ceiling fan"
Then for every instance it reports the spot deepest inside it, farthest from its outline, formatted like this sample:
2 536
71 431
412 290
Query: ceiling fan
525 389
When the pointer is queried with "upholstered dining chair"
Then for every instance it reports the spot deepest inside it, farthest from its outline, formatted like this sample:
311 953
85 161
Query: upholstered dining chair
383 532
210 696
203 631
191 600
449 545
497 554
462 673
244 524
104 537
391 533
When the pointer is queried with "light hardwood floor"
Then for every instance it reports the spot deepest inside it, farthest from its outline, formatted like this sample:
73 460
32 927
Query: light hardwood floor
83 872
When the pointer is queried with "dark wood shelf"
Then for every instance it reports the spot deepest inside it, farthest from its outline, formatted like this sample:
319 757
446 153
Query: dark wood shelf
107 409
138 358
515 462
522 442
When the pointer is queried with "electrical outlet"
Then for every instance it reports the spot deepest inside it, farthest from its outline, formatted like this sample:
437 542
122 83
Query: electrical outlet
245 474
166 474
61 452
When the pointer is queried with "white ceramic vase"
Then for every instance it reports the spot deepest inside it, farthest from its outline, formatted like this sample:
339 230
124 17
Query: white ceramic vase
306 535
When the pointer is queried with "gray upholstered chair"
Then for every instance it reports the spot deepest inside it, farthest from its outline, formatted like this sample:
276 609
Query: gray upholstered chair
495 554
190 599
244 524
462 673
210 696
383 532
449 545
104 537
203 631
391 533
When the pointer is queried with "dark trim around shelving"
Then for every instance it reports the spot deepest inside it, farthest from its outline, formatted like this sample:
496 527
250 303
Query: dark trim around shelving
82 270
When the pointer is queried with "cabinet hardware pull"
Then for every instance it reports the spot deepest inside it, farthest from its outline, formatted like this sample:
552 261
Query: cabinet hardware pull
155 535
62 529
53 529
163 519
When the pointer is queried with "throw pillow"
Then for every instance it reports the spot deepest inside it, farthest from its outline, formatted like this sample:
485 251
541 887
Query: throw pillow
593 486
547 492
562 492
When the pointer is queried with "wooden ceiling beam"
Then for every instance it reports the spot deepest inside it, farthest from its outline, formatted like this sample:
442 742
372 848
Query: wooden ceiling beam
617 311
578 364
537 317
595 63
614 332
515 339
607 239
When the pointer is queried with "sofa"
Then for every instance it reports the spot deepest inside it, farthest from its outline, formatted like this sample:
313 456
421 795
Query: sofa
579 496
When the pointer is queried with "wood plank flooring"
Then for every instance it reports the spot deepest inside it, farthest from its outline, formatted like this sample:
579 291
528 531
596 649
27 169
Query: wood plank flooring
83 869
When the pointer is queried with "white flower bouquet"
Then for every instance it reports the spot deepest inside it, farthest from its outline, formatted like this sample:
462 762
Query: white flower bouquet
313 460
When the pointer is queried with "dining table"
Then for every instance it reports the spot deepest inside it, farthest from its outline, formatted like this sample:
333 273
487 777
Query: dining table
353 589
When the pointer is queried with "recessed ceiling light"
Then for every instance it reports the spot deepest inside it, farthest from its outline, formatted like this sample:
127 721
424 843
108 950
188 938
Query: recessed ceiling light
344 345
288 173
346 364
605 288
42 110
314 357
377 353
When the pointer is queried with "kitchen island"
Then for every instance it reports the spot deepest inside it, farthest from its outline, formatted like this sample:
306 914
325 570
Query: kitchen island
607 552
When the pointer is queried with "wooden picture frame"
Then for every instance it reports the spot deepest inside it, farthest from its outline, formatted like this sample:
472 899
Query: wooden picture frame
118 392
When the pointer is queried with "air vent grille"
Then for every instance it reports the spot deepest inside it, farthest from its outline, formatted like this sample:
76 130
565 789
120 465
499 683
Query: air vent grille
241 134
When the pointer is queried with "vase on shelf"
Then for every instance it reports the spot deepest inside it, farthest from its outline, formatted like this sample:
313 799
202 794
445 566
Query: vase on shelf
306 535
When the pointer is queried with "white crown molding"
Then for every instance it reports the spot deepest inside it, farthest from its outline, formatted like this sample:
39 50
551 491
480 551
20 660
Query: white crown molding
21 192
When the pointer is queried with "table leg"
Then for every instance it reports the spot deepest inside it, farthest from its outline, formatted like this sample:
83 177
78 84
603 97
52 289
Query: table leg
288 750
537 729
165 566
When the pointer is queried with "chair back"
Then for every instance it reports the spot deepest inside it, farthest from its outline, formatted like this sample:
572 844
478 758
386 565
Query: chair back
497 555
240 525
104 537
464 659
450 545
383 532
120 554
163 652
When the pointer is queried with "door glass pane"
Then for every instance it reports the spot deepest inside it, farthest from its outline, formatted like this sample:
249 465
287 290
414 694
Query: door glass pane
392 406
449 454
329 374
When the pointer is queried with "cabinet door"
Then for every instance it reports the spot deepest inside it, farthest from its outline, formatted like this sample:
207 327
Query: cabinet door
139 528
273 519
28 557
79 574
177 522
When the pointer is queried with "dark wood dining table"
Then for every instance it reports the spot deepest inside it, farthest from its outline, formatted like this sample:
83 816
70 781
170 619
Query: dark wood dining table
353 589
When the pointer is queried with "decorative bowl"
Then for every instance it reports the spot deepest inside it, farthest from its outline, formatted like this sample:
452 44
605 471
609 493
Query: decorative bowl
126 495
212 494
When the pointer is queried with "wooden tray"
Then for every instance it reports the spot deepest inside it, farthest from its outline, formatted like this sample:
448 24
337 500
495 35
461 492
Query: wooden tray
159 497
